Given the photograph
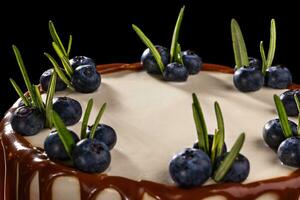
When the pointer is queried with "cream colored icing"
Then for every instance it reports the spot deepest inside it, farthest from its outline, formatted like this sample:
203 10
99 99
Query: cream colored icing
153 120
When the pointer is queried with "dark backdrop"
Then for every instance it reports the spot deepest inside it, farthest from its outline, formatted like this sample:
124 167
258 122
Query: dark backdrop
103 31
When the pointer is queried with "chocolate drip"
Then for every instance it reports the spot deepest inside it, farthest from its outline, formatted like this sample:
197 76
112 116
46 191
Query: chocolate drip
16 151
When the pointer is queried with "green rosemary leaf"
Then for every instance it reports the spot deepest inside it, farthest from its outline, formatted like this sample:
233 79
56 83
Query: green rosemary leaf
97 120
229 159
272 45
86 119
19 92
64 60
263 57
178 57
40 103
151 46
298 107
284 122
49 99
214 147
69 45
174 52
221 129
56 38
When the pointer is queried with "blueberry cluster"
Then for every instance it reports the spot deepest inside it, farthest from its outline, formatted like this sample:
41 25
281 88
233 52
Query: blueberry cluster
251 73
282 135
173 65
90 153
209 157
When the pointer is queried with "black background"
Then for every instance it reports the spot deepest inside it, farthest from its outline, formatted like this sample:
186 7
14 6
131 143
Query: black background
102 30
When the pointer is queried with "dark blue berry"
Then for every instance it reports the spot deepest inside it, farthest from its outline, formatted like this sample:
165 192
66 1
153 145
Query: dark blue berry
68 109
81 60
86 79
27 121
105 134
91 156
55 148
278 77
247 79
175 72
190 167
289 152
239 170
210 141
45 80
273 133
289 103
192 61
150 64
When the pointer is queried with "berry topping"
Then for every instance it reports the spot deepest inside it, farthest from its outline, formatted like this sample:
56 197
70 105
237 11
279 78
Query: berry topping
81 60
278 77
54 146
68 109
191 167
105 134
86 79
191 61
210 141
289 152
247 79
45 81
175 72
91 156
27 121
289 103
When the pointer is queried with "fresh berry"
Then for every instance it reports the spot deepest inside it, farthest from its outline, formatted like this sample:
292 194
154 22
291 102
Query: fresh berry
273 133
68 109
254 62
149 62
190 167
238 171
278 77
289 152
91 156
175 72
45 80
27 121
86 79
54 146
247 79
210 141
289 103
81 60
105 134
191 61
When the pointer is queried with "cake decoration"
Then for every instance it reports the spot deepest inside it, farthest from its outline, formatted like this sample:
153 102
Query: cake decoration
193 166
289 103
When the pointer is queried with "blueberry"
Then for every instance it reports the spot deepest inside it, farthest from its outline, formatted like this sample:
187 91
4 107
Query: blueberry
255 62
149 63
45 80
289 103
68 109
190 167
54 146
278 77
210 141
239 170
91 156
27 121
105 134
191 61
247 79
273 133
289 152
81 60
86 79
175 72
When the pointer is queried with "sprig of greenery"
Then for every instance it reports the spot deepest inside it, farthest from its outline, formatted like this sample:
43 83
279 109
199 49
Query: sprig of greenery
69 45
20 93
56 38
86 118
239 46
40 103
263 57
151 46
272 45
49 99
64 60
229 159
97 120
283 118
178 57
298 107
220 137
173 49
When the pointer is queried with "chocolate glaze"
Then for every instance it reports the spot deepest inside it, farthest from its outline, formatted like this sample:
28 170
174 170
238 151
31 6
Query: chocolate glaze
17 153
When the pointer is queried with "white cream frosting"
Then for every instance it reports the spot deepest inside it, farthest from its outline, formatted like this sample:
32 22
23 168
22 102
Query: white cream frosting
153 120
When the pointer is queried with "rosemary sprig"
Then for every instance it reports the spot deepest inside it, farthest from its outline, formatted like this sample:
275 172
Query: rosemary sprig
283 118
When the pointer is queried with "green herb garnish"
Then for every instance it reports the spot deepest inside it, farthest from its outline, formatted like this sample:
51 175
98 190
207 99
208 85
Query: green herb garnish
215 144
86 118
174 48
56 38
151 46
284 122
64 135
239 46
263 57
49 98
298 107
20 93
272 45
229 159
220 137
178 57
200 125
97 120
69 45
64 60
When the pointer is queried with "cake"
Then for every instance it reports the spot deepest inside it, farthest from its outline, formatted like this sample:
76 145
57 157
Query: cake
153 120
